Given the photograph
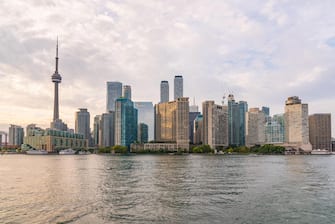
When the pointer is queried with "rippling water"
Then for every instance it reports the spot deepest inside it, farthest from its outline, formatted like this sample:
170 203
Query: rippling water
167 189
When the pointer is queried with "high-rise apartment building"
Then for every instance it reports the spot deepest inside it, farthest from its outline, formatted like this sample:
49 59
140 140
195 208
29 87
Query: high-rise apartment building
146 115
164 91
255 127
15 135
172 123
114 91
82 123
127 92
142 133
320 131
296 123
214 124
178 87
125 122
236 121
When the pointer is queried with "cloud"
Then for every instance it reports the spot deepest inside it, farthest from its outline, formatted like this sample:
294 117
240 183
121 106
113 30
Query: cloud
261 51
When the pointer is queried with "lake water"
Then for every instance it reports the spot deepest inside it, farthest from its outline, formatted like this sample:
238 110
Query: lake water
167 189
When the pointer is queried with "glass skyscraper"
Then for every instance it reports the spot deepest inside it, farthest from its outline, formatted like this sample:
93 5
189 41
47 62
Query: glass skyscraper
125 122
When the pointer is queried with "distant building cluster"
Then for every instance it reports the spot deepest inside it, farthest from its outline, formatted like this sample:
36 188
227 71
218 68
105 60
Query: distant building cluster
175 125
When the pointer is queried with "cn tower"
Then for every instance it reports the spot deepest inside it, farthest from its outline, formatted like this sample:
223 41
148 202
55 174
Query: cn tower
56 78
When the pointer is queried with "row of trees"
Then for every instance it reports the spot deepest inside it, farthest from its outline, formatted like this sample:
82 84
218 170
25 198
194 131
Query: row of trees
264 149
116 149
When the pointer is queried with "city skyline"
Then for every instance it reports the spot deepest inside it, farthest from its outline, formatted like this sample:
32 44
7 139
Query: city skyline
261 56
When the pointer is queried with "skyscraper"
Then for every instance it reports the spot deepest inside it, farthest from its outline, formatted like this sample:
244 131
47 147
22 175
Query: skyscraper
178 86
236 120
127 92
146 115
164 91
197 130
125 122
171 122
15 135
214 124
296 124
106 131
82 123
255 127
274 129
192 116
320 131
114 91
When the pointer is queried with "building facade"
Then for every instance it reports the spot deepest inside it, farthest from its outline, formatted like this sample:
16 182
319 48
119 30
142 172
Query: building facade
192 117
275 130
96 130
54 140
164 91
255 127
178 87
214 124
320 131
172 123
114 91
125 122
296 124
82 124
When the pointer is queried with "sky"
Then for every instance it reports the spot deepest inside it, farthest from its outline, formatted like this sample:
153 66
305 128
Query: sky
260 51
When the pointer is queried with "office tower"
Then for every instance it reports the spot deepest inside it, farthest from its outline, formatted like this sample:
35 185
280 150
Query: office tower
82 123
106 132
192 116
214 124
15 135
255 127
296 123
146 115
178 86
96 130
164 91
320 131
114 91
127 92
274 130
125 122
197 130
236 121
142 133
171 123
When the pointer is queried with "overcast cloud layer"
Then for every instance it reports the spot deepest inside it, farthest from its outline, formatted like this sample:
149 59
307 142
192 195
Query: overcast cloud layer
261 51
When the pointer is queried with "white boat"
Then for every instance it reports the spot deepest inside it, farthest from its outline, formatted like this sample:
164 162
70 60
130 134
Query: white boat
36 152
320 152
84 152
67 152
